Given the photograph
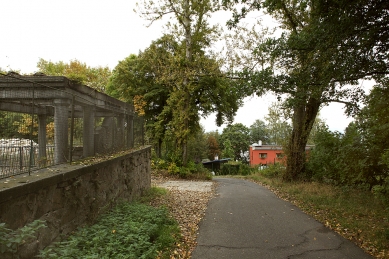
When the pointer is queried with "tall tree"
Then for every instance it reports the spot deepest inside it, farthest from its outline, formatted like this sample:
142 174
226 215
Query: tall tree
314 62
140 79
278 128
95 77
213 146
197 82
238 135
373 125
258 132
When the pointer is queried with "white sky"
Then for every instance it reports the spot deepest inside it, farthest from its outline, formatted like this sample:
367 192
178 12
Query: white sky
99 33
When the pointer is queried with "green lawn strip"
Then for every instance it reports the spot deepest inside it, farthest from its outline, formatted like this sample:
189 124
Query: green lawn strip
354 213
130 230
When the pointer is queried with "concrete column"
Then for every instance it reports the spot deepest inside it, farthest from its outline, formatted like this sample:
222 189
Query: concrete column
130 131
120 137
61 125
42 157
88 131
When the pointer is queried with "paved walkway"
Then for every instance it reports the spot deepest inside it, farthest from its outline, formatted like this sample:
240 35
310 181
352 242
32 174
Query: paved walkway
246 220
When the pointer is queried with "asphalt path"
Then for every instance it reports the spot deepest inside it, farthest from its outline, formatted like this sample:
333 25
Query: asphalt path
246 220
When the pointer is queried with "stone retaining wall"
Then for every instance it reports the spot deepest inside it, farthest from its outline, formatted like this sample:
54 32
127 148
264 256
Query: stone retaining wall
69 196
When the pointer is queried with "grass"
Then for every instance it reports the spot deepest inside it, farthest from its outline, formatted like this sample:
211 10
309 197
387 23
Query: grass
356 214
130 230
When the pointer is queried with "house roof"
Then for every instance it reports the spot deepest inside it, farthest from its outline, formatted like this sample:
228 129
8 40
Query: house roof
224 160
256 146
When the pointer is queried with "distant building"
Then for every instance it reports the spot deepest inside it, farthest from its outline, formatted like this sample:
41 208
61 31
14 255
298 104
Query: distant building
215 164
268 154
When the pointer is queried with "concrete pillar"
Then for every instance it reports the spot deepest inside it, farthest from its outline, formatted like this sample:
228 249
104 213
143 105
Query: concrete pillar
61 124
42 157
88 131
130 131
120 133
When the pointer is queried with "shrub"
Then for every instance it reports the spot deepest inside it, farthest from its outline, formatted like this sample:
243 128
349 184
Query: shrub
173 168
245 169
130 230
272 171
184 172
229 169
10 240
159 164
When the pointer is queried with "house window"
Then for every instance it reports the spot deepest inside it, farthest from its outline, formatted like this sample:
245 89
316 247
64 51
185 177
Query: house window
262 155
279 155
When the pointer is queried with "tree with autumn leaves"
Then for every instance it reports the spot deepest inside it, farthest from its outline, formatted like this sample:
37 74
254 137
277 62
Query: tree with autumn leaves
176 77
94 77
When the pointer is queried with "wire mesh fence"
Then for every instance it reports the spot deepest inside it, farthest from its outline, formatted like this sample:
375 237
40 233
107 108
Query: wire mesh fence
48 120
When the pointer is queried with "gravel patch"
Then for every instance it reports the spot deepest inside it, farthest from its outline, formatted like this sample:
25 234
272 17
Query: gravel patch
195 186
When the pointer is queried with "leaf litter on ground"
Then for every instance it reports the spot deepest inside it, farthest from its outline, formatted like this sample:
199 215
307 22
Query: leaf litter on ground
188 208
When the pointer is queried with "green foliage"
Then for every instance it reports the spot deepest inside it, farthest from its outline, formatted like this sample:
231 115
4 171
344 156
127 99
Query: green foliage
235 168
159 164
10 240
273 170
173 168
278 128
359 156
229 169
323 164
245 169
227 152
258 131
151 194
238 136
95 77
129 231
189 78
325 47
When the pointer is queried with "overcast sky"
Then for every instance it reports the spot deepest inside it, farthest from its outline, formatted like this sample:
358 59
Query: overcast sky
99 33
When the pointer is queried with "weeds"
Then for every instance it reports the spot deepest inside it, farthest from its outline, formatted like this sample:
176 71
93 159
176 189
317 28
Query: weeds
130 230
11 240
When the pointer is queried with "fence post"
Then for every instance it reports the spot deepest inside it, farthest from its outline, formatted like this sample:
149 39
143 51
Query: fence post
20 158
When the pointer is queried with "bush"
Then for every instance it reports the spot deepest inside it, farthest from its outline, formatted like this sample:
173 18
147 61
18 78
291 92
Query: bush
173 168
229 169
10 240
130 230
184 172
245 169
159 164
273 171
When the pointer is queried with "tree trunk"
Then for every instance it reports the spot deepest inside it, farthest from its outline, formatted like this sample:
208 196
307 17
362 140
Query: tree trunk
304 115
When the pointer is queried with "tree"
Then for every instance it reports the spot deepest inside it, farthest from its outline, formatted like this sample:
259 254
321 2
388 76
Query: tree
139 79
373 125
278 128
197 82
197 147
238 136
213 146
258 132
95 77
325 47
228 151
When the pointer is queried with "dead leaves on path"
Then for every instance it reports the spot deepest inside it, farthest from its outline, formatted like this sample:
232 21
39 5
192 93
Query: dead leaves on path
188 208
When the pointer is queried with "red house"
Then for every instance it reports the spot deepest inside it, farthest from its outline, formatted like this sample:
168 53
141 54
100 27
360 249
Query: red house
267 154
